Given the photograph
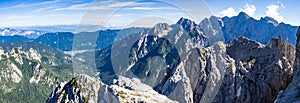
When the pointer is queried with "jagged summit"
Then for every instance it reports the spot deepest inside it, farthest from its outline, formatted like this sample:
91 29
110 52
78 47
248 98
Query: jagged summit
161 26
269 20
243 15
186 23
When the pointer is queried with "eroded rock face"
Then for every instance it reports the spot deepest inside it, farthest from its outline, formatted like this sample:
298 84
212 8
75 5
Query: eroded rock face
242 71
284 49
261 71
292 92
80 89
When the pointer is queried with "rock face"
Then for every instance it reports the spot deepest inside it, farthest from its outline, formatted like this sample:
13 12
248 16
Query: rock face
80 89
198 76
261 71
84 88
292 92
284 49
243 71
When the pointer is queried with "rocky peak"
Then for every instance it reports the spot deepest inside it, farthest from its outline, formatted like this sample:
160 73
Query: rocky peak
161 26
186 23
243 16
161 29
212 28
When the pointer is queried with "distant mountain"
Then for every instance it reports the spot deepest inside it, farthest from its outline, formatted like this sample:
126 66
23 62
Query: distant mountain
15 38
60 40
209 30
67 41
26 33
259 30
67 28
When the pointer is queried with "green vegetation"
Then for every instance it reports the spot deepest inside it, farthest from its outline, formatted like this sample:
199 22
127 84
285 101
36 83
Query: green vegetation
12 92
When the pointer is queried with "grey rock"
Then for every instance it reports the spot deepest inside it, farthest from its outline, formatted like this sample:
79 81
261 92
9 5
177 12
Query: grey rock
243 71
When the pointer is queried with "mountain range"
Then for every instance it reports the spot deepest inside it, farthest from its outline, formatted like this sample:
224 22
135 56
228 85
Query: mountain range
229 29
237 59
26 33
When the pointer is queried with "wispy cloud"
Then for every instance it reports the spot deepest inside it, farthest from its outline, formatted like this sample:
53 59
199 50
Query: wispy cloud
103 5
17 17
83 6
120 4
27 5
42 9
150 8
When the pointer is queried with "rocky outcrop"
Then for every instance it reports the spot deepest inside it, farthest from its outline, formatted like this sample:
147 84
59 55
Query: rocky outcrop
80 89
242 71
261 71
292 92
84 88
284 49
198 76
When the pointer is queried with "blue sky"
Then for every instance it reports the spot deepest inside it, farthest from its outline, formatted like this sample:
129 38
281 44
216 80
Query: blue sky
281 10
125 13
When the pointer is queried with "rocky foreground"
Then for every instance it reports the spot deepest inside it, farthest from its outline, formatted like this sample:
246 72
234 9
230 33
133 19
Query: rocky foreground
84 88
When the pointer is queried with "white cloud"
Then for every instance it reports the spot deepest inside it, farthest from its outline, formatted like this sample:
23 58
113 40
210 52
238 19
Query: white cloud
228 12
248 9
272 11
